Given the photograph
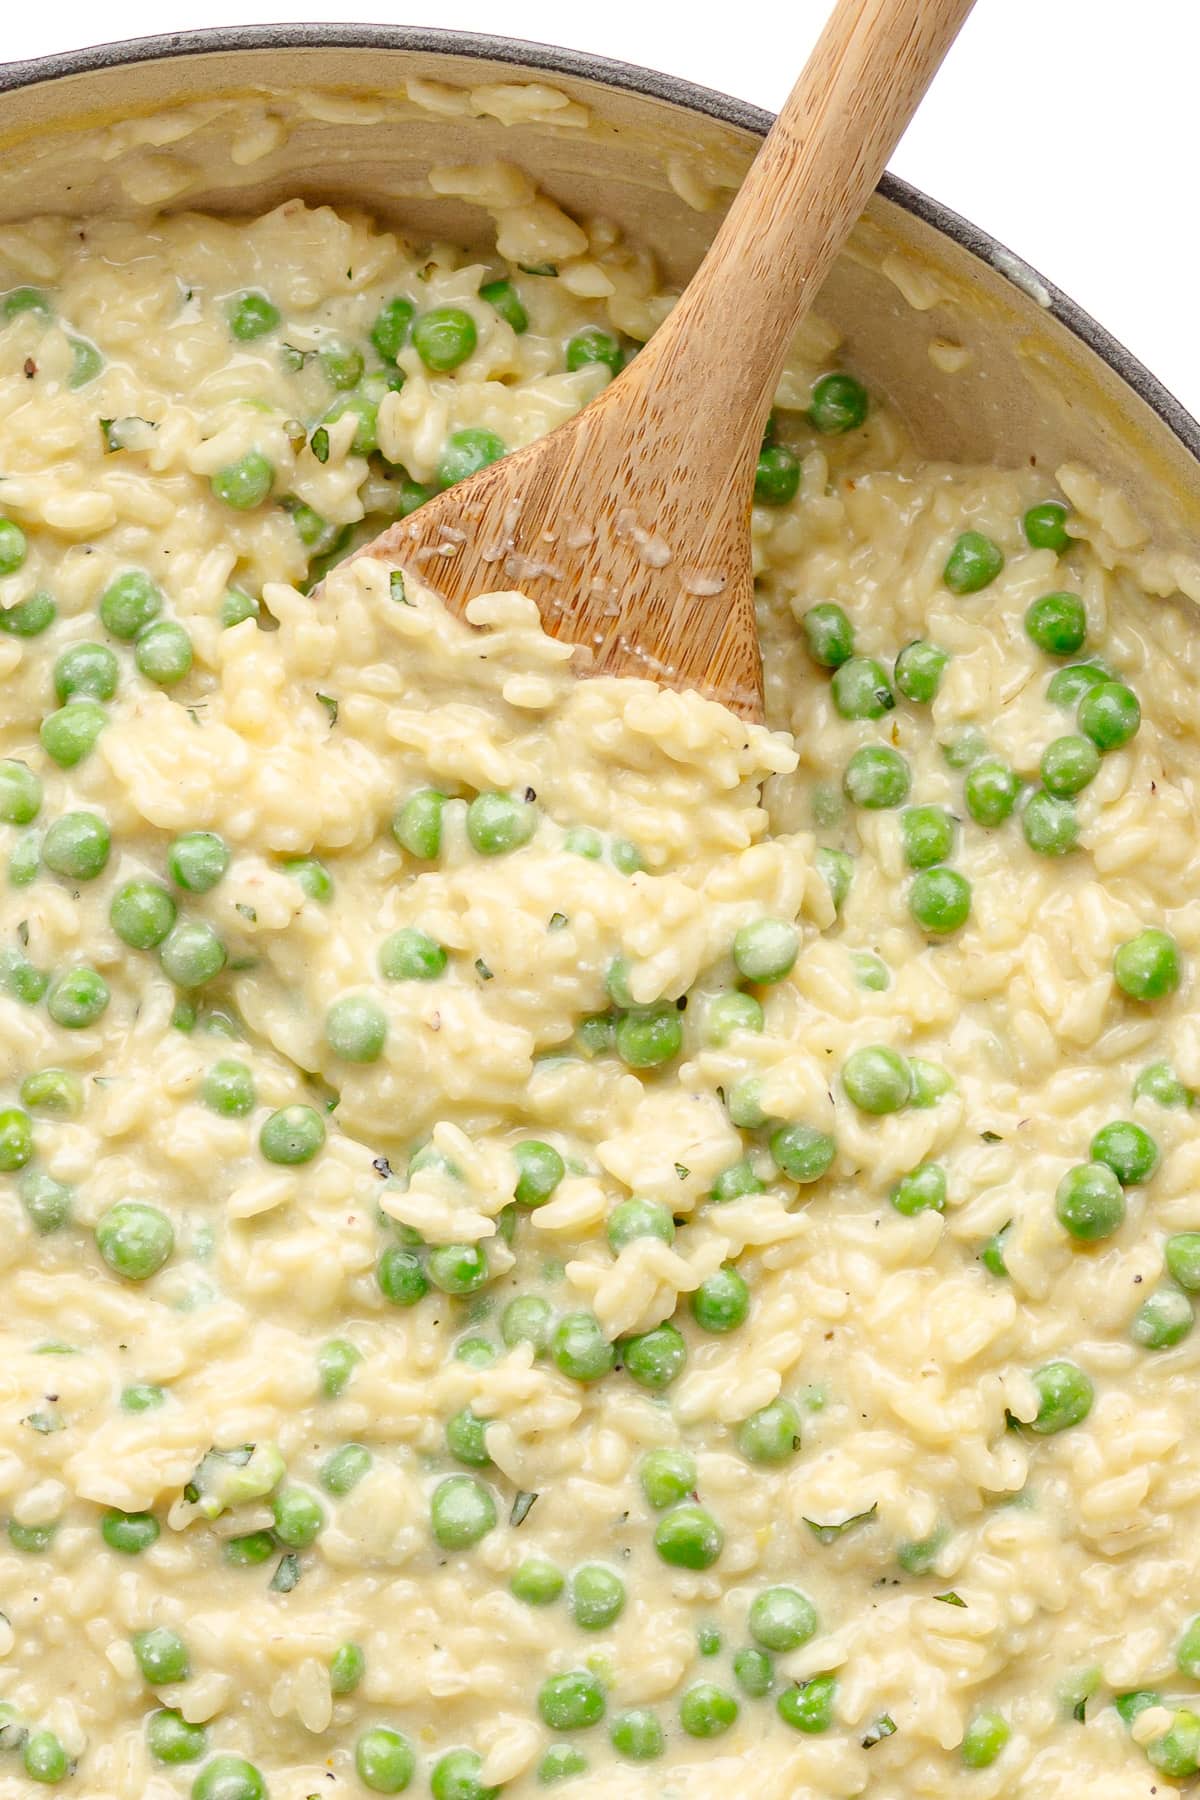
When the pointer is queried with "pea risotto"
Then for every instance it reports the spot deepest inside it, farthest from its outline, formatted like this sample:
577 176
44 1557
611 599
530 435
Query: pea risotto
552 1236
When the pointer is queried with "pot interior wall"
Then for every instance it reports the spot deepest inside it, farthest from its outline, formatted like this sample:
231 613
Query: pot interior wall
240 130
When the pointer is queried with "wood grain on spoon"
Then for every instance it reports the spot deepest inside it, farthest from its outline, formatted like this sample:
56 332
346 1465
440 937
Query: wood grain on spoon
629 526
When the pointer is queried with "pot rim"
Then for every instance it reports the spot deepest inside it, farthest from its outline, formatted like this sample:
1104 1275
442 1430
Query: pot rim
608 72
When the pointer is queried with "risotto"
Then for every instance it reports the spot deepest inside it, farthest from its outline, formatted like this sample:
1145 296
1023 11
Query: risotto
551 1235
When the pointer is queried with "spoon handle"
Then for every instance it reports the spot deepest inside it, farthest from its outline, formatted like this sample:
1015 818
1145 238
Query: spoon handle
728 337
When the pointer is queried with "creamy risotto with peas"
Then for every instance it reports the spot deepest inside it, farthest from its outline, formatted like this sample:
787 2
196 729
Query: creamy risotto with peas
552 1236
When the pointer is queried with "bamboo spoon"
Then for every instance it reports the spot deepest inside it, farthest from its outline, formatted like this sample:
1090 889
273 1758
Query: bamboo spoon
629 526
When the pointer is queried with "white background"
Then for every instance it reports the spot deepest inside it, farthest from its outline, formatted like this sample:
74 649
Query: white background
1068 128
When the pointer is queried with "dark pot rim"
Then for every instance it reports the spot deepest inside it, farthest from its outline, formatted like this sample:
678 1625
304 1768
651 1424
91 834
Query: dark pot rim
555 59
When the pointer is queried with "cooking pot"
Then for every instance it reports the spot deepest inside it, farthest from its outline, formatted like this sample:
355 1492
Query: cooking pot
983 358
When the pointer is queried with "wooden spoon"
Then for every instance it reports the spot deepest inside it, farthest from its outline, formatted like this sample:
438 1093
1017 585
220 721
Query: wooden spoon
629 526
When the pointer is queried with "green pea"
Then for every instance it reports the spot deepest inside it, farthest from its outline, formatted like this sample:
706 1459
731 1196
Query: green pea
503 296
654 1359
384 1760
1065 1396
292 1135
649 1036
1129 1151
919 669
142 1396
1187 1650
20 793
928 835
141 913
48 1202
861 689
344 1469
411 955
246 483
55 1093
341 364
991 790
444 337
86 362
973 563
688 1537
809 1707
1110 715
637 1735
466 1438
965 748
16 1139
77 999
20 979
163 653
401 1277
838 404
540 1168
28 618
1050 825
1131 1706
197 861
877 777
707 1710
984 1739
365 412
802 1152
86 669
870 971
237 607
466 452
1177 1751
776 475
731 1012
1182 1256
744 1104
162 1656
837 869
708 1641
625 857
1146 967
77 846
1162 1320
667 1477
722 1301
462 1511
1159 1082
458 1268
754 1672
417 826
579 1348
877 1079
498 823
299 1517
772 1434
735 1182
829 635
250 315
25 860
560 1762
923 1189
1089 1203
526 1320
44 1758
135 1239
229 1089
336 1363
595 1596
393 324
192 954
30 1540
1057 624
347 1667
250 1550
1068 764
1068 686
594 345
313 878
782 1618
1044 526
129 603
129 1533
356 1028
536 1582
766 950
13 547
571 1702
918 1555
20 300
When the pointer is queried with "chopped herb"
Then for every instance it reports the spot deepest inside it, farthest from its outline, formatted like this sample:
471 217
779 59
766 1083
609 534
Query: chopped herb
482 970
521 1507
294 359
882 1728
398 589
42 1422
557 921
296 432
247 912
286 1575
331 707
538 268
1079 1711
23 933
382 1168
682 1171
119 433
318 443
991 1137
829 1534
950 1599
